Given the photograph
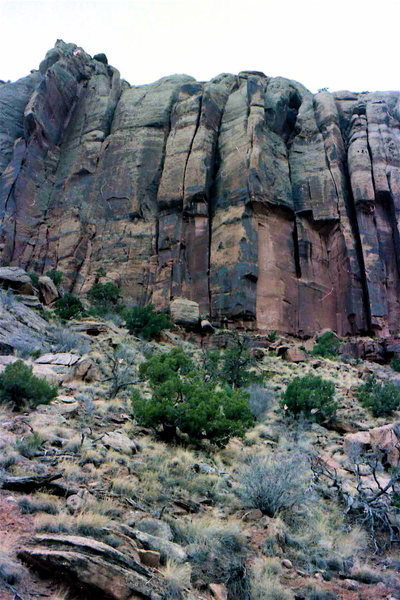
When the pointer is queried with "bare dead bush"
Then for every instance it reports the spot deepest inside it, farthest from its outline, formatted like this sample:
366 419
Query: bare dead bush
275 484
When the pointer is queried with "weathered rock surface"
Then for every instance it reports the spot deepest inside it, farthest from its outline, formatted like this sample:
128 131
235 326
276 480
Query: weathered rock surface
120 442
92 564
21 328
265 204
16 279
185 312
48 290
384 441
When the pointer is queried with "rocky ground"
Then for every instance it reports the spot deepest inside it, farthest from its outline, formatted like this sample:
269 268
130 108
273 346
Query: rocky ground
93 505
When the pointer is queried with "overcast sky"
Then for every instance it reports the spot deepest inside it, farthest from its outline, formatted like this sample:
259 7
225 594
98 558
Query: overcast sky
339 44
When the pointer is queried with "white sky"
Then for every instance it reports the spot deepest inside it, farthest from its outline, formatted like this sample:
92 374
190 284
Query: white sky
342 44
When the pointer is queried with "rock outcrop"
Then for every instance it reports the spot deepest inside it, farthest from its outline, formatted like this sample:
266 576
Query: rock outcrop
265 204
94 566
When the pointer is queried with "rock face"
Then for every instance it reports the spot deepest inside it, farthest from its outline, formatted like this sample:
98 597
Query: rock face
94 565
265 204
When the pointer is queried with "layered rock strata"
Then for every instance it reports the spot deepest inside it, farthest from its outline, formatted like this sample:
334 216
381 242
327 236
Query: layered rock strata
270 207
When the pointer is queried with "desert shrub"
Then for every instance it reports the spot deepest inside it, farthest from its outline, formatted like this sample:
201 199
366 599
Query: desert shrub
18 386
366 575
269 589
34 279
55 276
381 399
317 593
104 295
68 307
25 347
217 552
327 345
7 298
232 366
10 569
177 579
145 322
30 445
65 340
259 399
395 364
40 503
274 484
310 396
122 362
182 400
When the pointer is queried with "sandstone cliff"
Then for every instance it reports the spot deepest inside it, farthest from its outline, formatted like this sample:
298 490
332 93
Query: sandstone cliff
264 203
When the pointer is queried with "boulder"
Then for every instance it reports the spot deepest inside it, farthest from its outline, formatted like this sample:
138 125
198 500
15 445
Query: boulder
85 370
254 514
185 312
47 289
16 279
384 441
92 565
168 550
65 359
206 326
357 444
149 558
120 442
155 527
295 355
21 328
93 328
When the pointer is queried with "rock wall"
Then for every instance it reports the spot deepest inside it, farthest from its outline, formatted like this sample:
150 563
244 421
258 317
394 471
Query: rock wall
271 207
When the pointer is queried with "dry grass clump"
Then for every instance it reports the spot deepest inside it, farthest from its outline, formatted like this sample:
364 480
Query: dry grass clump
94 456
72 472
10 570
320 540
271 590
166 472
40 502
8 458
209 532
61 593
177 578
123 487
86 523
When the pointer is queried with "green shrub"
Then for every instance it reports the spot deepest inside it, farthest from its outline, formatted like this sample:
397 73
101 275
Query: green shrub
381 399
29 446
232 366
145 322
34 279
395 364
69 307
55 276
19 386
327 345
310 396
183 400
104 295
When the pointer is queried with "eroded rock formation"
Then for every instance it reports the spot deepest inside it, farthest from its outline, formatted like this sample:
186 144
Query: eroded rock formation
264 203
